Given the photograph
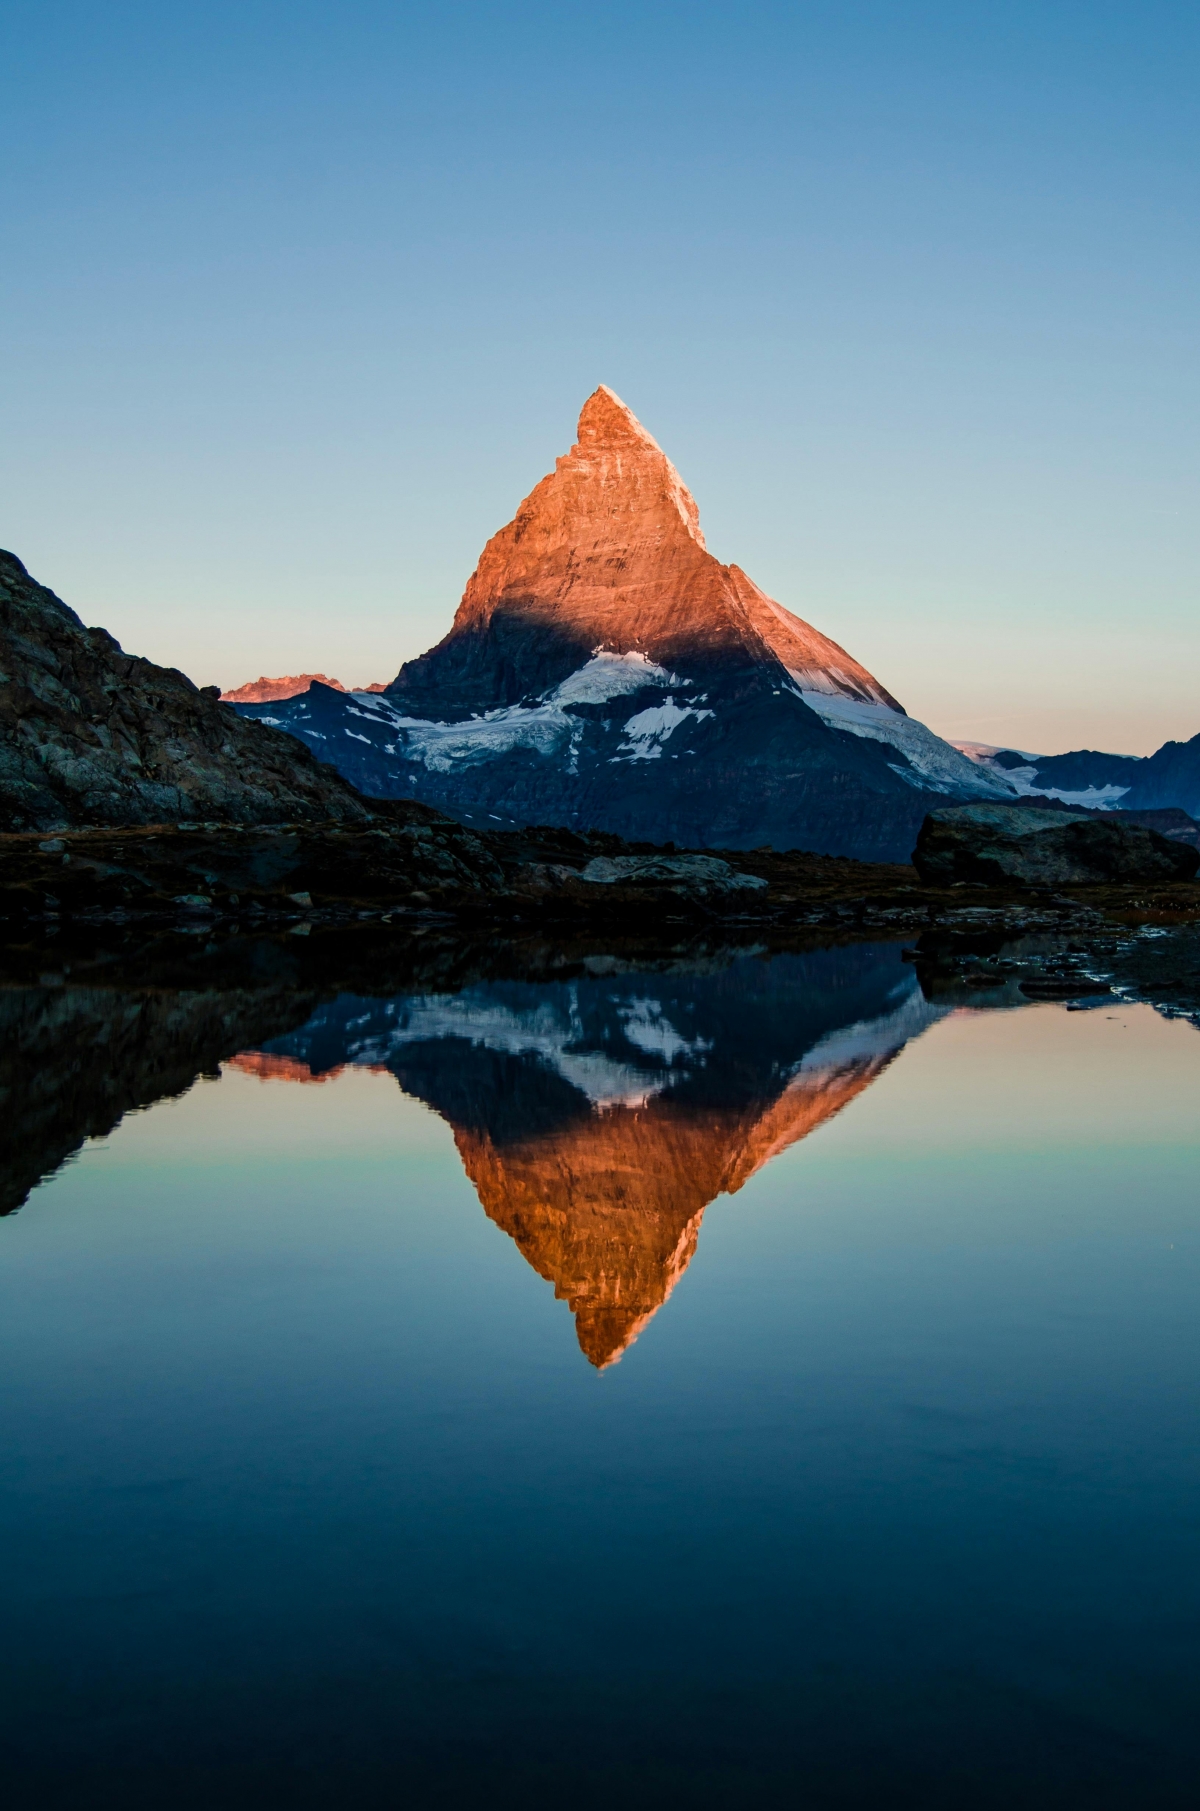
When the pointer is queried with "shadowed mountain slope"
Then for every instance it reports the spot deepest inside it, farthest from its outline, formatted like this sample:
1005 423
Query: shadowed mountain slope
1169 777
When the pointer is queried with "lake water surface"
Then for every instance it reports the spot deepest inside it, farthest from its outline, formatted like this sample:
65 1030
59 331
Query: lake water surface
740 1381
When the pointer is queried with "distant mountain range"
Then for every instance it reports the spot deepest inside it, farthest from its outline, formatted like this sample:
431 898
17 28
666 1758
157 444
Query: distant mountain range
265 691
1168 779
605 671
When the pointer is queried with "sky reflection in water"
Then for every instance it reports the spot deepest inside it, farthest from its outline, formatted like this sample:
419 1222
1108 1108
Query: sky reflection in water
308 1491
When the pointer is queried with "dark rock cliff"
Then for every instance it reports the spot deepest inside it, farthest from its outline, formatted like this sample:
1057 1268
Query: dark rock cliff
92 735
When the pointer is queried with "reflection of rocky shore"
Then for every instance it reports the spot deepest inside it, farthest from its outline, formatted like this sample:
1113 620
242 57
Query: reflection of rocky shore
598 1118
75 1060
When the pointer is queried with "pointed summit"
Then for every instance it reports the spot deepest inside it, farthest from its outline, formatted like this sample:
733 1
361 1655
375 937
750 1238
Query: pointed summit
607 554
605 420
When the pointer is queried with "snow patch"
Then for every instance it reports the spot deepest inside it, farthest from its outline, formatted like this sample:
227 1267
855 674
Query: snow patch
544 727
983 751
1093 798
830 681
610 676
1023 780
649 729
932 763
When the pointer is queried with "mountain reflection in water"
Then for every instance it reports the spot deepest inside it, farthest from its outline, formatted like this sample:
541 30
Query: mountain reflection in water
597 1118
308 1496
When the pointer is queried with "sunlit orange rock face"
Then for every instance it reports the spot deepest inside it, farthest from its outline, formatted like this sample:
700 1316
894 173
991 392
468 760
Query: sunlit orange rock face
607 553
609 1210
290 685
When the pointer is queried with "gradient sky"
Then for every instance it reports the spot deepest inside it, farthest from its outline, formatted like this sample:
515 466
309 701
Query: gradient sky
298 301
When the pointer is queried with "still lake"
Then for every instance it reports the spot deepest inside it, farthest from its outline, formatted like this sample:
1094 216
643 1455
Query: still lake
735 1382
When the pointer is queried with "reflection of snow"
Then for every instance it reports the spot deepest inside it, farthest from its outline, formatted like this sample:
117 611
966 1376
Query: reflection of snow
544 1031
938 765
647 1026
618 1051
878 1037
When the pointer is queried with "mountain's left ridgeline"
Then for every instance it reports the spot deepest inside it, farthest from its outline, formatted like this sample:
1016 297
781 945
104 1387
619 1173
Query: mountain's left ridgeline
92 735
605 671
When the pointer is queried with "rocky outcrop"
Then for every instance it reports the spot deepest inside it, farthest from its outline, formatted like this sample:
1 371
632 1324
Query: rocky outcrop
693 876
414 859
994 844
1169 821
92 735
605 671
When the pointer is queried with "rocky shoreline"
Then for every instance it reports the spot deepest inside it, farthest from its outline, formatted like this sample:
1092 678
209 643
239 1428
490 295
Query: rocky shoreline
412 864
129 900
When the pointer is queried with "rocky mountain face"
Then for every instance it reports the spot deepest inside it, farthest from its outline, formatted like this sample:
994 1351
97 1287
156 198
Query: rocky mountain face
291 685
92 735
598 1118
1169 778
605 671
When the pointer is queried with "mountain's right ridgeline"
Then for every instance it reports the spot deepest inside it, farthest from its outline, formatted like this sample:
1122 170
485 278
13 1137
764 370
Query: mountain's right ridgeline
605 671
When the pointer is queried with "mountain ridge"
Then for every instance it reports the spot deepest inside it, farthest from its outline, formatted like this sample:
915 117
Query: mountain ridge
92 735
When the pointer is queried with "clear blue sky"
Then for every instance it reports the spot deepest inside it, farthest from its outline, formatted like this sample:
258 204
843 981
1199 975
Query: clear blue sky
298 300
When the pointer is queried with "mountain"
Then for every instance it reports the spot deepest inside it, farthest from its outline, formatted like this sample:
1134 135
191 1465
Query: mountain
92 735
265 691
1170 777
1084 776
604 670
598 1118
1167 780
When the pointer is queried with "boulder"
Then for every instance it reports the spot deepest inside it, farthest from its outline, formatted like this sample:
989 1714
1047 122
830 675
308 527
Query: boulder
998 844
690 874
1170 822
